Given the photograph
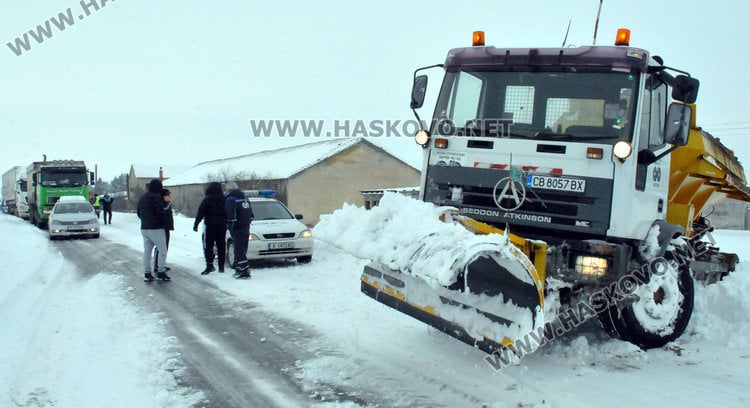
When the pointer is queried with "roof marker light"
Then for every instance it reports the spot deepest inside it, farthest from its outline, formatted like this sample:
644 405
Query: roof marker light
623 37
478 39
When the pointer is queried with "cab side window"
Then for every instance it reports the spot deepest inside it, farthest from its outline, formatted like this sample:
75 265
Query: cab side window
653 117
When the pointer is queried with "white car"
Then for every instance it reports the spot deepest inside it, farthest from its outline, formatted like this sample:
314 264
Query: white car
275 233
73 216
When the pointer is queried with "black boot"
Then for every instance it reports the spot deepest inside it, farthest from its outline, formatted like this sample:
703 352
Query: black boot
148 277
209 269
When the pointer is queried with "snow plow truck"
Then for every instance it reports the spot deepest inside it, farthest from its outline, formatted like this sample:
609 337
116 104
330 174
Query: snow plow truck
587 161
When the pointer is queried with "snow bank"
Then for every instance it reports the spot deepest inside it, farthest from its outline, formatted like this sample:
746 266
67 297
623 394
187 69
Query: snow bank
72 342
407 235
722 310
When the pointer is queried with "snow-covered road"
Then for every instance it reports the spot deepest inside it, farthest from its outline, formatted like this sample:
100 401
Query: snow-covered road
78 326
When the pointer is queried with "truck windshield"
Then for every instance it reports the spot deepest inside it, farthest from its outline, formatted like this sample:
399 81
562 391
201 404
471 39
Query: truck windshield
564 106
63 178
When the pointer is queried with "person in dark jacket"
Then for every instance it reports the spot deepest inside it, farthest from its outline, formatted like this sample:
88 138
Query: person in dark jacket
166 196
107 200
213 213
239 216
153 214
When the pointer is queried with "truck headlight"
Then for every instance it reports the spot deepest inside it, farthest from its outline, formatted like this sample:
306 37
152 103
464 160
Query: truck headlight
591 266
306 234
622 150
422 137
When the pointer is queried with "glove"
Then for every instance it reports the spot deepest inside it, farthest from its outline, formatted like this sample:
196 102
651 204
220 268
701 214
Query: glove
195 228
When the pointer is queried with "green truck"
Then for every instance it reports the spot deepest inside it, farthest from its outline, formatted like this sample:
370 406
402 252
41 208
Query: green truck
49 180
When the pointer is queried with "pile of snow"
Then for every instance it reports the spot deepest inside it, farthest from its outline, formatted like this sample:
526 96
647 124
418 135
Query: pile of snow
407 235
73 342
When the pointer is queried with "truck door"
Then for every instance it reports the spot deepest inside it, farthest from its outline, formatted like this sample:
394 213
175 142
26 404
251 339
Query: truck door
653 178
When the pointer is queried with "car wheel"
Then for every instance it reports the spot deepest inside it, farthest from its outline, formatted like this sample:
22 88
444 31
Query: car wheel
230 253
304 259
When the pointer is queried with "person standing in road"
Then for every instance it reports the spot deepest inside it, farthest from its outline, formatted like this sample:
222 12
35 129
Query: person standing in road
107 201
153 215
239 216
212 212
166 196
97 204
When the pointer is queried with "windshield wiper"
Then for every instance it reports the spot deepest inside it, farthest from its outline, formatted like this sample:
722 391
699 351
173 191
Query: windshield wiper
555 135
552 135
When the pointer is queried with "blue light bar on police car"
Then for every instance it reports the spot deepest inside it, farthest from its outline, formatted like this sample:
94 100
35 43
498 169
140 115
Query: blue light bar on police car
259 193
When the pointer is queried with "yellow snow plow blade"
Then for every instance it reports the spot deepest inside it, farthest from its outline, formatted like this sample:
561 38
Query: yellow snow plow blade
497 298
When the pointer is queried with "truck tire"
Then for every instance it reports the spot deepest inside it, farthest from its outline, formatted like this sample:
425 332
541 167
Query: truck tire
661 311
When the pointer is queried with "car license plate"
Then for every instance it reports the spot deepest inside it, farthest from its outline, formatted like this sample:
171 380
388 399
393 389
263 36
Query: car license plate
556 183
281 245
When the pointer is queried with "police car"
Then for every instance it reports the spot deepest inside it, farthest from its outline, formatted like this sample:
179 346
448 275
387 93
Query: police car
275 232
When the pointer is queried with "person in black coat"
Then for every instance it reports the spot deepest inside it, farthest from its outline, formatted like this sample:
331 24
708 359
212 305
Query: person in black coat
239 216
153 214
214 216
166 196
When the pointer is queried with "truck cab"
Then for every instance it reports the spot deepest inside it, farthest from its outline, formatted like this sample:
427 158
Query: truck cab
564 145
552 139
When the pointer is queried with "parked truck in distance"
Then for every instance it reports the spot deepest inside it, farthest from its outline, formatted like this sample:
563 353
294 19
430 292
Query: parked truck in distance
14 192
49 180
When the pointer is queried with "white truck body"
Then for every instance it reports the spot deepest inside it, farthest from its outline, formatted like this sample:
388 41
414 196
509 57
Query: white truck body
14 192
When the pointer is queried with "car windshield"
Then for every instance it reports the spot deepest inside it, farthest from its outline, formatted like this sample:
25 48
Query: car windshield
270 210
564 106
73 208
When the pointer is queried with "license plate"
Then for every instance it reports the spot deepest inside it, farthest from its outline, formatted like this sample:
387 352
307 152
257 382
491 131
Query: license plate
281 245
556 183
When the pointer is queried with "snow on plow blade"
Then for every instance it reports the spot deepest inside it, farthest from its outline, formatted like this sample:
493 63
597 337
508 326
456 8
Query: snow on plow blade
496 299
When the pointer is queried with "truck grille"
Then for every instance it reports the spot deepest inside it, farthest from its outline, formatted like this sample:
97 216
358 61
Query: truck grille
587 213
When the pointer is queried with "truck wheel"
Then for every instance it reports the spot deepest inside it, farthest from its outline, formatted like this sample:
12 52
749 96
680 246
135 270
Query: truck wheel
661 311
230 253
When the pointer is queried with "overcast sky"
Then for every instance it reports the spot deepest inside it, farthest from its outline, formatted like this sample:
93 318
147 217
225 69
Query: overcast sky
167 82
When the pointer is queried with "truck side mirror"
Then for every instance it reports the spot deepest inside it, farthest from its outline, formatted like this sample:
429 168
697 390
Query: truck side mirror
677 128
418 91
685 89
